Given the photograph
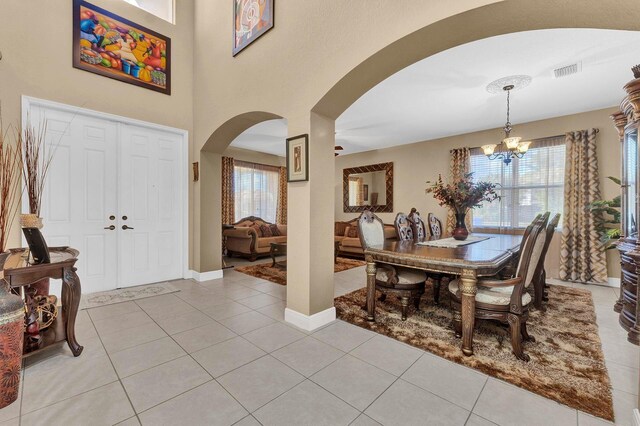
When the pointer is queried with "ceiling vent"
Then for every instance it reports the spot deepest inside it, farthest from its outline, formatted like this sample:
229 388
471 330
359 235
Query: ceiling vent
567 70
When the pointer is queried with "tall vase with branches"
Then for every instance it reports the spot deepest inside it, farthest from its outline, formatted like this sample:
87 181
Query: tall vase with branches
11 306
36 159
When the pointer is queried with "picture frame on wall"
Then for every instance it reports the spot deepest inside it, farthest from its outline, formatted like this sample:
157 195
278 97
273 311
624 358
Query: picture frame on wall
115 47
251 20
365 192
298 158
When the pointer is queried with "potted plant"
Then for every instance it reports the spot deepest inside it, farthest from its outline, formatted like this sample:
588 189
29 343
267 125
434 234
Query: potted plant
607 213
12 310
460 196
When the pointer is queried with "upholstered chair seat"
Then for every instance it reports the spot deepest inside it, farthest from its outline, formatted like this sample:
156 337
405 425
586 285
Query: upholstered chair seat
500 296
404 275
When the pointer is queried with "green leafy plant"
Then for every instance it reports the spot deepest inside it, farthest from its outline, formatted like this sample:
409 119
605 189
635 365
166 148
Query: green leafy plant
607 213
463 194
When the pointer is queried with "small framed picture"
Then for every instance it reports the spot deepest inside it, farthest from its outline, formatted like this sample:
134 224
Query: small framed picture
251 19
365 192
298 158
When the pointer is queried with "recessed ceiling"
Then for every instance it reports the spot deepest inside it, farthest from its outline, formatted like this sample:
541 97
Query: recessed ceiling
445 94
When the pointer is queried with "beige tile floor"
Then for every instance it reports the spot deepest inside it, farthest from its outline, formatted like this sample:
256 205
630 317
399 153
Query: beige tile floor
219 353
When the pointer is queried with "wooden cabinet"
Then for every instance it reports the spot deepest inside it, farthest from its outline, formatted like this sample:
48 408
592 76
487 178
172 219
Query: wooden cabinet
627 121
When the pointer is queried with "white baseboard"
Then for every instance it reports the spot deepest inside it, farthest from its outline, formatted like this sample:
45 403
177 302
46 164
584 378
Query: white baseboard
636 417
205 276
311 322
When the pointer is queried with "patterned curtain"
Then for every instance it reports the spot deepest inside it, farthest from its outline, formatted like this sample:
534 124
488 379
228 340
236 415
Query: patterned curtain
581 254
228 191
459 165
281 211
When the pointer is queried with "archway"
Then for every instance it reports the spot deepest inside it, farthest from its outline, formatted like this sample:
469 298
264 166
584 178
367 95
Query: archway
208 217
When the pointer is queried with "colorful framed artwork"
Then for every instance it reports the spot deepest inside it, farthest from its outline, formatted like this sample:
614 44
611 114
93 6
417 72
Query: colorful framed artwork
298 158
107 44
251 19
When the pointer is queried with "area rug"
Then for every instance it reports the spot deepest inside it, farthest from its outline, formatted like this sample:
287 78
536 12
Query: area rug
110 297
279 275
567 364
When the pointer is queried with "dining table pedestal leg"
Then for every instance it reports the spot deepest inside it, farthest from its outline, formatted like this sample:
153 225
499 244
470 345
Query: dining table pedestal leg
468 289
371 290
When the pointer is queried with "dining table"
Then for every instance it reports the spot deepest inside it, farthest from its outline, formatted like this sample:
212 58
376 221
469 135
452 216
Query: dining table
485 256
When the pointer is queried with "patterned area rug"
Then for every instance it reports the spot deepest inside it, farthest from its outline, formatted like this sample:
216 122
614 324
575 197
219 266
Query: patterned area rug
279 275
110 297
567 364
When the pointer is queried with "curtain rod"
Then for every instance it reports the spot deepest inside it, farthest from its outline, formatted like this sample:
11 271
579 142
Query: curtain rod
532 140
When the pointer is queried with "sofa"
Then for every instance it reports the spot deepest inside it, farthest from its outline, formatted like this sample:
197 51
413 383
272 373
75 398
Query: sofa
251 237
346 234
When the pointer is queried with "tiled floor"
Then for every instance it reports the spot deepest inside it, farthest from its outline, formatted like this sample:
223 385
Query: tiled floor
219 353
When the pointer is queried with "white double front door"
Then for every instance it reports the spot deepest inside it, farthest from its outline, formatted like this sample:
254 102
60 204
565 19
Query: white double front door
114 192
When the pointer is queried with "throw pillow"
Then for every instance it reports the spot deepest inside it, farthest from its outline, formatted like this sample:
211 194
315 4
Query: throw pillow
257 229
275 231
266 231
352 232
339 229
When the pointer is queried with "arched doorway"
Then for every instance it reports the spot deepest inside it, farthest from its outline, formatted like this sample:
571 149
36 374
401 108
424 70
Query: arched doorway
208 216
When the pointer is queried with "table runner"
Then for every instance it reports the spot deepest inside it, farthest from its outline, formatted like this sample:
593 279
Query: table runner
453 243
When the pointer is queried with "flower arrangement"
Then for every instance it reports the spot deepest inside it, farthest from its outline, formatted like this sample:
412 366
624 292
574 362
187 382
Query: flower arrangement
463 194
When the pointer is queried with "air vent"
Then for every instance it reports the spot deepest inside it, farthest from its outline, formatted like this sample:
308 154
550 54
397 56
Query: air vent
567 70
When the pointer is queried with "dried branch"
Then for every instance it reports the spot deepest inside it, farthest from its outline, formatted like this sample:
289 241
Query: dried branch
36 158
10 189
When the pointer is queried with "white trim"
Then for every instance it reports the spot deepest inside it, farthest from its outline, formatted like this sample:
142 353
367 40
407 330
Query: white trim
636 417
205 276
28 102
613 282
310 323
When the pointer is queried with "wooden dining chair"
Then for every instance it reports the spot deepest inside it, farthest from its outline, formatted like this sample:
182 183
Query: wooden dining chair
435 226
506 300
540 280
420 233
403 227
510 270
406 283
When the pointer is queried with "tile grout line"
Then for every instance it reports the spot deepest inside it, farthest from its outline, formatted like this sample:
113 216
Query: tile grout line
124 389
471 413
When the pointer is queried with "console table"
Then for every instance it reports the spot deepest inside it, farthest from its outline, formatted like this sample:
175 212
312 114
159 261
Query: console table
18 272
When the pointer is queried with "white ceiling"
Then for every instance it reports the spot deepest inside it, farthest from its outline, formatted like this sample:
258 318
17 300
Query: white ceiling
445 94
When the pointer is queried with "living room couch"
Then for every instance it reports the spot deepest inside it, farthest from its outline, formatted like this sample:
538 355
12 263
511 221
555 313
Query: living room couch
251 237
346 233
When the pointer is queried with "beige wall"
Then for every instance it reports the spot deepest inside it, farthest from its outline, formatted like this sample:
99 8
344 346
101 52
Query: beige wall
35 41
417 163
254 156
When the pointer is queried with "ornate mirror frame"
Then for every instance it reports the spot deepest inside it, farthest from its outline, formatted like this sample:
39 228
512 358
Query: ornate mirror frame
388 178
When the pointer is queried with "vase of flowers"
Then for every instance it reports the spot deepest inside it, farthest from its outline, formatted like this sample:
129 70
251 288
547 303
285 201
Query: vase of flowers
461 195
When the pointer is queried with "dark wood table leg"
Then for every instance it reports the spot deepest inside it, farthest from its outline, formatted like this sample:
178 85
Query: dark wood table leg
71 293
468 288
272 252
371 290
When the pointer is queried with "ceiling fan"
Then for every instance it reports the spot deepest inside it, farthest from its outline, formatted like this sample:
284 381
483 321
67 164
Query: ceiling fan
338 148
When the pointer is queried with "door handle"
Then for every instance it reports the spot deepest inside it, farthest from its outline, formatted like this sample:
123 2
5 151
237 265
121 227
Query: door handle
110 228
125 227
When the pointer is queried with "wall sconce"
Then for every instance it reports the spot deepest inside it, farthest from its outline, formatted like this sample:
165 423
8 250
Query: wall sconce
196 172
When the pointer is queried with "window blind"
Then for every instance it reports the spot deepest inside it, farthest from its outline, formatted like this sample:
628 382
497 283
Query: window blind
529 185
256 190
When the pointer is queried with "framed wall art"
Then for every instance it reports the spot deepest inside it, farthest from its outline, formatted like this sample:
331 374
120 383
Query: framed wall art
298 158
251 19
107 44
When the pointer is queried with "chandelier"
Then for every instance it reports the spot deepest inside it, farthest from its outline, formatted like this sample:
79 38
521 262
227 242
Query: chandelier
511 146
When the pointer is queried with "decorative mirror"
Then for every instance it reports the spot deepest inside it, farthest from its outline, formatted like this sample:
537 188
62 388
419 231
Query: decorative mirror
368 188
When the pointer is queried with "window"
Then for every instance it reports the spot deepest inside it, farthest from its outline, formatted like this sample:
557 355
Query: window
256 190
161 8
528 186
